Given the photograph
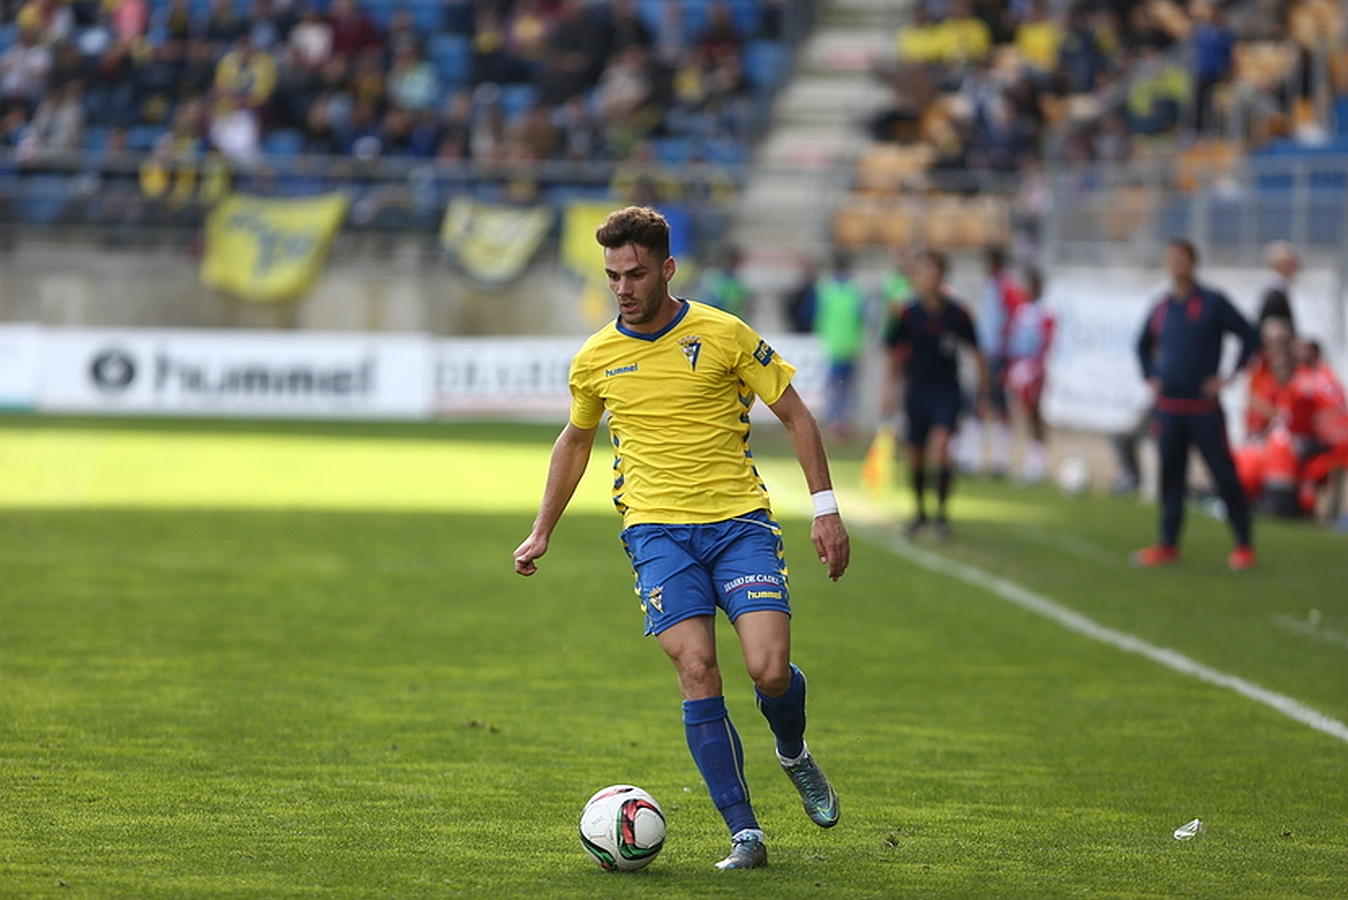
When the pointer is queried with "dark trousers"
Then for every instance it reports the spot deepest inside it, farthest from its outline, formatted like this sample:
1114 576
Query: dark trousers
1176 433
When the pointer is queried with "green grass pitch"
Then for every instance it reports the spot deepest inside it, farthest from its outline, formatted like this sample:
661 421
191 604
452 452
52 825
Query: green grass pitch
293 660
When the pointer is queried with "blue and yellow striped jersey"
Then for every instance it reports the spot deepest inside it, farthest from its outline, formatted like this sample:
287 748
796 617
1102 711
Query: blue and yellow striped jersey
678 404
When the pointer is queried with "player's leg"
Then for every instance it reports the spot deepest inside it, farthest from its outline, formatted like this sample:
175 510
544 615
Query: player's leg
945 477
1000 424
679 602
1036 455
944 415
712 738
765 640
1210 436
1172 444
917 413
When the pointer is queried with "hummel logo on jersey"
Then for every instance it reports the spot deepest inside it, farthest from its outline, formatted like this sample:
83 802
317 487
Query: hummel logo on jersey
692 348
621 370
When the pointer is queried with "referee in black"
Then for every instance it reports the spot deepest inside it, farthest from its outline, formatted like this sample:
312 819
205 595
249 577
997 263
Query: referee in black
1180 349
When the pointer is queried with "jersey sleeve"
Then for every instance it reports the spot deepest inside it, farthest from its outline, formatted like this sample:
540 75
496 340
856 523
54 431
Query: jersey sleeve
759 366
896 332
964 327
587 407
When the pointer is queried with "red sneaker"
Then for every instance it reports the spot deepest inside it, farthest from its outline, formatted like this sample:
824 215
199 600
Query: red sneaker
1241 559
1155 555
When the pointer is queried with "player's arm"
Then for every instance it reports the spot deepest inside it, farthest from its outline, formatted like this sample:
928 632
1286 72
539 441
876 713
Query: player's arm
570 454
1238 325
828 533
1146 350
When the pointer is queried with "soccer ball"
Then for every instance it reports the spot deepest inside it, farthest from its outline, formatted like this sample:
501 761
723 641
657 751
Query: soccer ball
1073 476
622 828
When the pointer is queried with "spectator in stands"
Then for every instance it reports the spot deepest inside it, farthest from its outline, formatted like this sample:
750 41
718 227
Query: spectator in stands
534 135
492 62
224 26
1159 92
48 21
1080 56
412 82
58 124
23 71
175 19
113 87
581 138
1281 257
235 130
1038 39
352 31
198 70
246 74
312 37
964 38
626 28
157 81
577 56
129 19
1213 47
526 36
720 38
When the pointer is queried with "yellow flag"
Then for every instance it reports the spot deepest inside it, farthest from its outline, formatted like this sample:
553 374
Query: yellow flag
268 249
877 469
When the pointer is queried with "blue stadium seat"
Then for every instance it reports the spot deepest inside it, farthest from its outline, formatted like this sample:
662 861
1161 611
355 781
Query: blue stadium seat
672 151
516 99
8 34
452 57
95 137
143 137
764 64
1341 116
428 15
284 142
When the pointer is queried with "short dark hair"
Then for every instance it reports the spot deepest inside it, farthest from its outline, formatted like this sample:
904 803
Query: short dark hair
936 258
638 225
994 255
1186 246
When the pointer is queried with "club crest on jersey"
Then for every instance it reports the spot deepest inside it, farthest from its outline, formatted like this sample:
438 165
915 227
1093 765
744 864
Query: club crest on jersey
692 348
764 353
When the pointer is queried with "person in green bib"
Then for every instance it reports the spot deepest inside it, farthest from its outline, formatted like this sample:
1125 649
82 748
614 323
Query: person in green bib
840 323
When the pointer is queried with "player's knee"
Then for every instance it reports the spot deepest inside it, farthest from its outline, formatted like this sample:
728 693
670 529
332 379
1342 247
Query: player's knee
699 677
771 677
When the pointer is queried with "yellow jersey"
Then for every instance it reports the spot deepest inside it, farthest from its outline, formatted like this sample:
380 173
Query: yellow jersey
678 402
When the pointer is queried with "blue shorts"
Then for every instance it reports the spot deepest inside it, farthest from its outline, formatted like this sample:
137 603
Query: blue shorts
689 570
928 405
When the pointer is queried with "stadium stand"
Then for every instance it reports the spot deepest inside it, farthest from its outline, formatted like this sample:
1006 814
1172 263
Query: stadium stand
288 96
982 95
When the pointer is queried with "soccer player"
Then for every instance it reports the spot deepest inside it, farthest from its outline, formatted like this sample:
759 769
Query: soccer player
924 367
678 378
1029 339
1180 349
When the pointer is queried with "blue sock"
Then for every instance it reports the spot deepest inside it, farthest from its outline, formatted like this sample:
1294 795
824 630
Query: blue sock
786 715
716 749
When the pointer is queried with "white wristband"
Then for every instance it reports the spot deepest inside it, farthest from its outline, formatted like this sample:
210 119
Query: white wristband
825 503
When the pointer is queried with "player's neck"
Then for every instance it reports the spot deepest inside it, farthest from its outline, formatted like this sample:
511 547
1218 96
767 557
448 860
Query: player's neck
669 309
932 301
1183 287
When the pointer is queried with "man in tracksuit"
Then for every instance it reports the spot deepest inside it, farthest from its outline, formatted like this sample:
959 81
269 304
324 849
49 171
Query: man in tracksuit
1180 349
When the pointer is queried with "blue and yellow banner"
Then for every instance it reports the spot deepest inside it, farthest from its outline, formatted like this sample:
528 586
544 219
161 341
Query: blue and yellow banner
269 250
491 242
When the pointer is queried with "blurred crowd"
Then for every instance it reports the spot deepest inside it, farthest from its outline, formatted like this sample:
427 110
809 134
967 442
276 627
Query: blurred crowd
990 85
494 81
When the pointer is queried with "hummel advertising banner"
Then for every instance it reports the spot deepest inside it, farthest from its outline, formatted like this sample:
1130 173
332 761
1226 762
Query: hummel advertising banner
20 360
528 376
235 373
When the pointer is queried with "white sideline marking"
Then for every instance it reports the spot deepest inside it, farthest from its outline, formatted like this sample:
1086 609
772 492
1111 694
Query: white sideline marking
1075 621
